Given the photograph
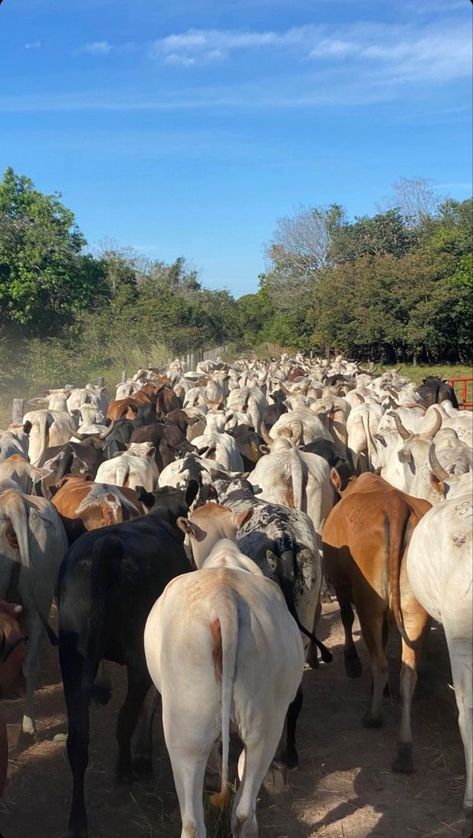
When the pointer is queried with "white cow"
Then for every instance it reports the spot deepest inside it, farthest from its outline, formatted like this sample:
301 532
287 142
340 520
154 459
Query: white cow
48 428
236 659
296 479
222 446
132 468
439 567
301 425
32 545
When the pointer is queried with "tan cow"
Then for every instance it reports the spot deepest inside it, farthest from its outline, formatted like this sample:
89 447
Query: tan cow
94 504
365 540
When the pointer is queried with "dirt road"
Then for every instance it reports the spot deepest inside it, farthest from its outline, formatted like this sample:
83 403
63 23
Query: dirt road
344 787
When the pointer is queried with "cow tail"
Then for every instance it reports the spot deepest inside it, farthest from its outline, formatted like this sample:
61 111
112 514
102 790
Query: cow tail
122 474
224 628
107 555
299 476
44 425
365 418
396 539
286 583
18 515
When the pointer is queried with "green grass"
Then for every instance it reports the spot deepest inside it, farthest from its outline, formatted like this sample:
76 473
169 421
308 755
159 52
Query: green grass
417 373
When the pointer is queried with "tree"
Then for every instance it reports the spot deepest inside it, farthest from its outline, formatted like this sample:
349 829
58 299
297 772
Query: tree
383 234
415 199
302 244
44 277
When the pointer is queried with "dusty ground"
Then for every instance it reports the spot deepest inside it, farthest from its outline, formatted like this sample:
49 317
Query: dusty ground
344 787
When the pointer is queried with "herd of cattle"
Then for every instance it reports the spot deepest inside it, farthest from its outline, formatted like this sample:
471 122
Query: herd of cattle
187 529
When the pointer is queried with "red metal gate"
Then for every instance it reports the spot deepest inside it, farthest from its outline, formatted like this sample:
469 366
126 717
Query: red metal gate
464 391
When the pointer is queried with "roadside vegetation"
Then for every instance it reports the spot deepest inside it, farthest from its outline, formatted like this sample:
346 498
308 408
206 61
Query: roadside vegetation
393 288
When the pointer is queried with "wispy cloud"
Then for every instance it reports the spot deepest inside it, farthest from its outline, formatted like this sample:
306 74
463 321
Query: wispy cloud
202 45
435 52
98 48
33 45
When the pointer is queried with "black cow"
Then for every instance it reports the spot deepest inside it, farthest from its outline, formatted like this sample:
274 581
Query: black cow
332 453
272 412
81 458
167 436
434 390
109 580
248 443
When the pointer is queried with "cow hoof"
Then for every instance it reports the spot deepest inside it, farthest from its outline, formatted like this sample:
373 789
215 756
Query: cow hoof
143 767
289 758
403 761
372 721
312 661
26 740
353 667
467 828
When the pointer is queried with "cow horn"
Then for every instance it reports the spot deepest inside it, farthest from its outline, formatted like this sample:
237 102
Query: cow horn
284 389
268 440
405 434
399 368
438 470
438 424
108 431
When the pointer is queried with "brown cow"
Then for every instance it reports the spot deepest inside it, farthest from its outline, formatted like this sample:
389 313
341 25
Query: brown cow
84 505
12 653
365 540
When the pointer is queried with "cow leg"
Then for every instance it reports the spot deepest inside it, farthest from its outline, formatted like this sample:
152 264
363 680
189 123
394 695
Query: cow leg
460 658
257 759
138 685
34 630
415 621
372 623
352 661
142 743
189 748
77 705
289 756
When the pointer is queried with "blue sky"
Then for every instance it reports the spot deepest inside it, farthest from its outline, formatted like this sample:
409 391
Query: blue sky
189 127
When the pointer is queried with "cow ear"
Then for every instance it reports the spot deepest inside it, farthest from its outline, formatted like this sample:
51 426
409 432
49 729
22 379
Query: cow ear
192 491
240 518
264 448
404 455
10 534
437 484
151 452
212 493
190 528
338 479
146 498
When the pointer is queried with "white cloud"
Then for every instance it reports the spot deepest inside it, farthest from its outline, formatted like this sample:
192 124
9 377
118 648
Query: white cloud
209 44
435 51
98 48
33 45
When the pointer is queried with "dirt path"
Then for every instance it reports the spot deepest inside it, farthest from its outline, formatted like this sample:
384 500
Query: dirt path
344 787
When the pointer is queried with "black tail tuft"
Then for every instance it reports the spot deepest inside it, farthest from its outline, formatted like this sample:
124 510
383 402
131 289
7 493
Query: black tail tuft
101 692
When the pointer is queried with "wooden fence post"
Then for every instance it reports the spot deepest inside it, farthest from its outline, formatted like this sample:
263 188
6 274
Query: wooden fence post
18 409
123 376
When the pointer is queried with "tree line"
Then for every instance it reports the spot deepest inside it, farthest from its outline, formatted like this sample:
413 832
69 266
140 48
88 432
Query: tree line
395 286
